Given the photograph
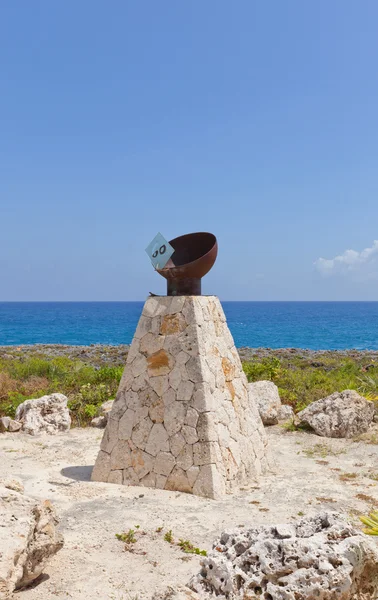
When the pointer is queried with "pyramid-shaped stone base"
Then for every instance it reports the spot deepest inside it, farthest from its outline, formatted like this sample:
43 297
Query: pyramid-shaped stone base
182 419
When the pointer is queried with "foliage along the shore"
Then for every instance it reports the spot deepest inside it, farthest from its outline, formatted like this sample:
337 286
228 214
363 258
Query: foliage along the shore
87 387
300 377
303 379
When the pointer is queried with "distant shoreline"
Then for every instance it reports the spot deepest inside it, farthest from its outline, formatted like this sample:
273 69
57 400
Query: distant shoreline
99 354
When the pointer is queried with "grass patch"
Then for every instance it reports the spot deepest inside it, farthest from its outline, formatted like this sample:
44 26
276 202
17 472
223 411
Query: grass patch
367 498
321 450
348 476
87 387
168 537
127 538
188 548
302 379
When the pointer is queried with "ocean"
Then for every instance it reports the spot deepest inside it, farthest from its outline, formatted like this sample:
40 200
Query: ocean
313 325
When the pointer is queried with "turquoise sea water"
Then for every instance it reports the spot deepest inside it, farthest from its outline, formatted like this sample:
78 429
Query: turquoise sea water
314 325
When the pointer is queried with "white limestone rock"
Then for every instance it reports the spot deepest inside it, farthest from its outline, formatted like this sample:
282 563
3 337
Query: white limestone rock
320 557
47 414
340 415
265 395
285 413
28 539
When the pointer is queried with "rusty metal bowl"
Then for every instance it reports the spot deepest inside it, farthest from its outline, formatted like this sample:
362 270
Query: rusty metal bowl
193 257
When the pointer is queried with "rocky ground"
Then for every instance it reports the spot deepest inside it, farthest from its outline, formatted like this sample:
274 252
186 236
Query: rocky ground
307 474
96 355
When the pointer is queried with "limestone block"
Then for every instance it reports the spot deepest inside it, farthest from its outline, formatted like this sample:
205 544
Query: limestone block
101 470
174 417
190 434
177 443
185 458
178 480
191 417
158 440
130 477
126 425
141 462
159 363
164 463
120 457
115 477
209 483
141 432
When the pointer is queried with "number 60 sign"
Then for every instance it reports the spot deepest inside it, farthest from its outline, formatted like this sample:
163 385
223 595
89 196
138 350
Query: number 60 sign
159 251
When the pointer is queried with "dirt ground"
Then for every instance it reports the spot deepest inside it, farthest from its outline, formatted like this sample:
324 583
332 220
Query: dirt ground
308 474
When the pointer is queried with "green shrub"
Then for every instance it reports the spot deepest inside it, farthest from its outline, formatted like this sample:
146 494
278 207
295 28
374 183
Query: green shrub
86 387
303 380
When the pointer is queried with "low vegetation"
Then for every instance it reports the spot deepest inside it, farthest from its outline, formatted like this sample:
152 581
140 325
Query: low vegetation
304 378
371 523
86 386
91 376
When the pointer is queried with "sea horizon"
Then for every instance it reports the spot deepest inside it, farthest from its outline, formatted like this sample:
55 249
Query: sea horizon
307 324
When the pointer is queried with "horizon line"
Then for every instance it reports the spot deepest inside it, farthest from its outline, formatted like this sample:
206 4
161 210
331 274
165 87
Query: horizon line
133 301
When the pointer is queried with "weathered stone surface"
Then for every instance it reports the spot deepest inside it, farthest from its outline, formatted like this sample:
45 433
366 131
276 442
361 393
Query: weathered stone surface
158 440
101 470
265 395
178 480
182 419
285 413
172 324
99 422
164 463
28 539
342 415
159 363
320 557
47 414
4 424
7 424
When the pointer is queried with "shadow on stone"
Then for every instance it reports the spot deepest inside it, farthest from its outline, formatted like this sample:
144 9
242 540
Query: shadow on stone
81 473
41 579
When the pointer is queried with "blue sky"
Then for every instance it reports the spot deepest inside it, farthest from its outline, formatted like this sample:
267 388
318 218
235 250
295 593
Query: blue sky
256 120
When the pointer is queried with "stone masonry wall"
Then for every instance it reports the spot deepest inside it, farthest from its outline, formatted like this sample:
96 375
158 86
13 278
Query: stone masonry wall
182 419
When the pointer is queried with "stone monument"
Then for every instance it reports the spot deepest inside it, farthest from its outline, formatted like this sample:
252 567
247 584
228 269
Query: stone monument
182 418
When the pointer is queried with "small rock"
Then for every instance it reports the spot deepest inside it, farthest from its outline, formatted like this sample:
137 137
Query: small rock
341 415
106 407
48 414
265 395
99 422
104 411
4 424
28 539
285 413
14 426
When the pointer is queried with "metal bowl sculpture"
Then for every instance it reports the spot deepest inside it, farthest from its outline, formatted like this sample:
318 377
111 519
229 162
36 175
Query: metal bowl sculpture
193 256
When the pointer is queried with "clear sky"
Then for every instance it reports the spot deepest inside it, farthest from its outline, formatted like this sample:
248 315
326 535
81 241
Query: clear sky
255 120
